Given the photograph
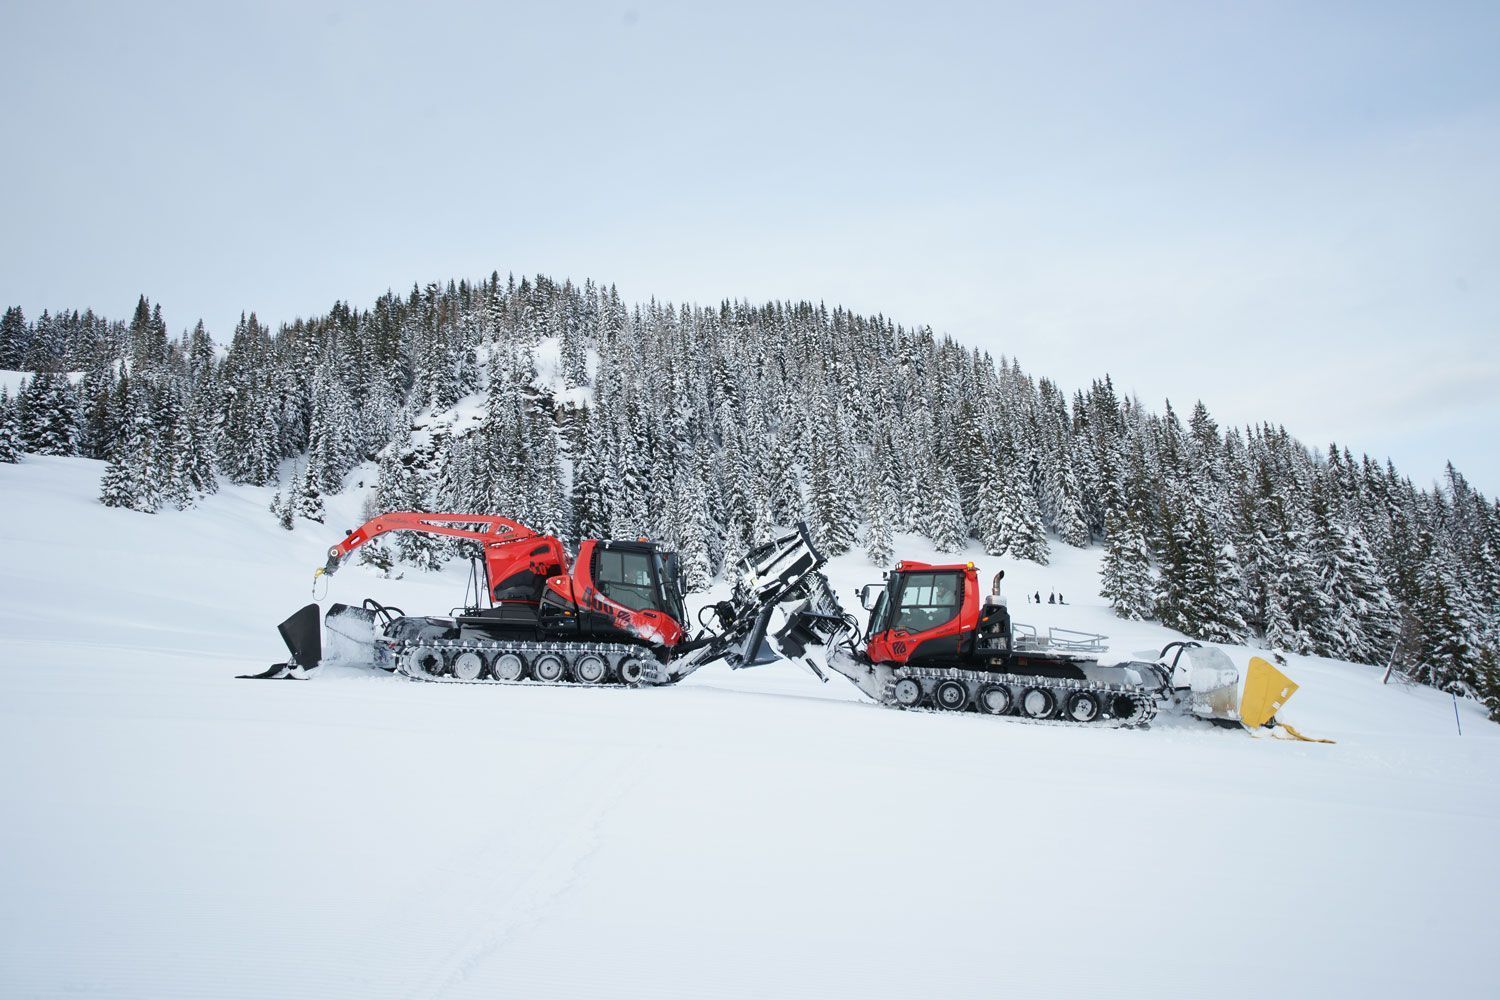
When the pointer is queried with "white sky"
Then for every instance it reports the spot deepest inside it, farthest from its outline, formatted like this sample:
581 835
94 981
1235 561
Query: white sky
1287 209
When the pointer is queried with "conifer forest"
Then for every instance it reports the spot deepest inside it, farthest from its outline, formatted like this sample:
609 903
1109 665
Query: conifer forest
566 408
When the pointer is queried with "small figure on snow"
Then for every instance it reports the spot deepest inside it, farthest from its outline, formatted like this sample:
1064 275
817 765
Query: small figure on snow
1051 598
1039 597
1059 598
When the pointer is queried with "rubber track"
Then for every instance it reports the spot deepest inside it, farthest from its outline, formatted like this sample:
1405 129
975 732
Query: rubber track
614 652
1143 698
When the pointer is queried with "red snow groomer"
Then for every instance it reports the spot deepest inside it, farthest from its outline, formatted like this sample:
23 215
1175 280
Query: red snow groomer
934 642
614 615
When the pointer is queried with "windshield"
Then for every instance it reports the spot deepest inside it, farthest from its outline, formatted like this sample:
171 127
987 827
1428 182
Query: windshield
669 572
927 601
880 615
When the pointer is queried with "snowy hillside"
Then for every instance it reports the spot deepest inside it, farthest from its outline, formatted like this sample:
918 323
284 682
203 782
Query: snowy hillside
170 831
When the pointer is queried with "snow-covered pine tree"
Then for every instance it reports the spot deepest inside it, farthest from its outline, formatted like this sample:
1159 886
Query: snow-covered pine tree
1280 633
993 503
96 424
306 494
1444 634
1359 619
283 507
833 518
131 480
15 338
878 534
1028 540
945 525
1217 587
1198 588
1125 574
10 436
1487 675
49 414
693 534
1068 517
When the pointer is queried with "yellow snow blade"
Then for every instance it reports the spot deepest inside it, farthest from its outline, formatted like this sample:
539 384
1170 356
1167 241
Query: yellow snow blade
1266 691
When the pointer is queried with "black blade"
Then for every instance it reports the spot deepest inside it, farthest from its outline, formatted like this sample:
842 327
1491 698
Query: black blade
303 638
277 672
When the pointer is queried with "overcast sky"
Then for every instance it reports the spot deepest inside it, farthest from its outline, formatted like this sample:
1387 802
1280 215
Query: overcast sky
1291 211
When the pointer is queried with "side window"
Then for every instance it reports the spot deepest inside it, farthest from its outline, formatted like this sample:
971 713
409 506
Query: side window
927 601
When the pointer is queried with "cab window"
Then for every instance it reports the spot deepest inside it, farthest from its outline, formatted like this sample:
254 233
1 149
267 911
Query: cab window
927 601
626 577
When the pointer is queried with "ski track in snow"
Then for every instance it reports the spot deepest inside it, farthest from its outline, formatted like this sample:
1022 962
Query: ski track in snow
555 872
171 832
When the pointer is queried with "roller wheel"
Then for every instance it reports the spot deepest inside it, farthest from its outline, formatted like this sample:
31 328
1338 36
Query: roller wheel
1083 706
951 696
631 669
996 699
508 667
548 667
908 691
428 662
1125 708
590 669
1038 703
468 665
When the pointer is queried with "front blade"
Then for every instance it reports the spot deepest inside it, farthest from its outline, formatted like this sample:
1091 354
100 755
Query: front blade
1266 691
302 637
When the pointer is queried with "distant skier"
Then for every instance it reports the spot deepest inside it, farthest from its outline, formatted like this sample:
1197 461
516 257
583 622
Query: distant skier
1059 598
1051 598
1039 597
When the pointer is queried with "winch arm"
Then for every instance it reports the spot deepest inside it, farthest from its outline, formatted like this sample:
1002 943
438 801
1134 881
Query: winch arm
487 530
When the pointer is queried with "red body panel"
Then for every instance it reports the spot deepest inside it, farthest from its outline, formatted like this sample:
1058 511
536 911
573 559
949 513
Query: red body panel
897 645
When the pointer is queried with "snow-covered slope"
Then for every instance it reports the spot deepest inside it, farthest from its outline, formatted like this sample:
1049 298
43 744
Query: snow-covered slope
170 831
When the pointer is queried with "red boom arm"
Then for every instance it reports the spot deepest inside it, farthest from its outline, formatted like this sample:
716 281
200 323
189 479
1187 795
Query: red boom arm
492 533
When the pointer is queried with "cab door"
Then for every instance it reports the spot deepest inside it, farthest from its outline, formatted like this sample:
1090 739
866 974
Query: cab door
926 621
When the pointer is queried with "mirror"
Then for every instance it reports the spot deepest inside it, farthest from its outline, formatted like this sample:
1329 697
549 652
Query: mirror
866 599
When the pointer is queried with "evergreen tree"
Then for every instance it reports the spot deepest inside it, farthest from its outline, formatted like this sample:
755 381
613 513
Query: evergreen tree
49 413
282 506
308 498
833 519
1445 653
878 534
945 526
1125 575
131 478
1487 680
10 435
15 339
693 543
